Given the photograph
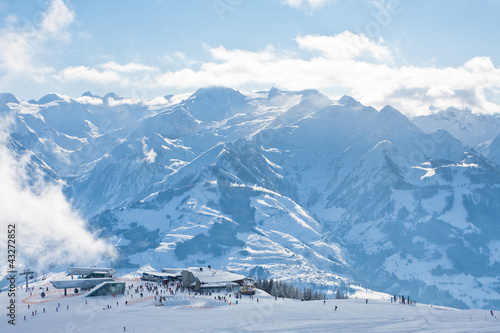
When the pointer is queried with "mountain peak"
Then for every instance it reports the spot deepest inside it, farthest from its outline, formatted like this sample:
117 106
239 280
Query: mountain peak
215 103
451 113
273 92
349 101
389 110
275 97
216 92
392 113
49 98
8 98
88 94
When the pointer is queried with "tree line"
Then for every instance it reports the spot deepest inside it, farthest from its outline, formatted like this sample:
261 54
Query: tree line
282 289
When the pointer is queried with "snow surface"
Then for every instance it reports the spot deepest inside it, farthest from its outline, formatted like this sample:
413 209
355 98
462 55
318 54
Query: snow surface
185 312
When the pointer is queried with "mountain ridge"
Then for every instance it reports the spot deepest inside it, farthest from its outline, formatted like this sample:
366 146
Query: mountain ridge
290 184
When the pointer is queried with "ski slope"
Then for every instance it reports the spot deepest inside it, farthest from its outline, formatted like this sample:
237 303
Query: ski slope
185 312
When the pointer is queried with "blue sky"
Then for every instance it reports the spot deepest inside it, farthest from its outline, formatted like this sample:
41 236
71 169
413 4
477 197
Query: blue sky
415 55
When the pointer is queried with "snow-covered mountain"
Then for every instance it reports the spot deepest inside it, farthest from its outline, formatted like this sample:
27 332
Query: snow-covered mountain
289 185
492 150
471 128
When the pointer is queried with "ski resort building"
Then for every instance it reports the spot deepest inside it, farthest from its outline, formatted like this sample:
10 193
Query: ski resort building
201 278
162 277
88 278
108 288
91 272
197 277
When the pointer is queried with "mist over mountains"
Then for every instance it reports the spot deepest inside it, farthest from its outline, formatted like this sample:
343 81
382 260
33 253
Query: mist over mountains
282 184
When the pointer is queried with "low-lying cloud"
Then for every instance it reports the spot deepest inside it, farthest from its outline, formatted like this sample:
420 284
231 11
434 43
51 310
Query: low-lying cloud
49 233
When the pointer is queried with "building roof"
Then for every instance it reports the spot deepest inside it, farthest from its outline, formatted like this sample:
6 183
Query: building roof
161 274
90 270
79 283
214 276
216 284
176 271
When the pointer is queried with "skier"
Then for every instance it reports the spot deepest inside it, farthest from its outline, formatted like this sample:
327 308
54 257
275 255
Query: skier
124 329
491 311
367 301
335 308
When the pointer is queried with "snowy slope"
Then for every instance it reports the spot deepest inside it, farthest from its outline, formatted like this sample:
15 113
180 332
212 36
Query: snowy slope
491 150
77 313
210 214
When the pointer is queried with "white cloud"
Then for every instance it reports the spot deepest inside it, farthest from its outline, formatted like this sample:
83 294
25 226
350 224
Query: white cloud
22 42
313 4
480 65
127 68
89 100
123 101
84 73
48 231
351 64
149 155
440 92
173 57
347 45
160 100
131 75
345 63
56 20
